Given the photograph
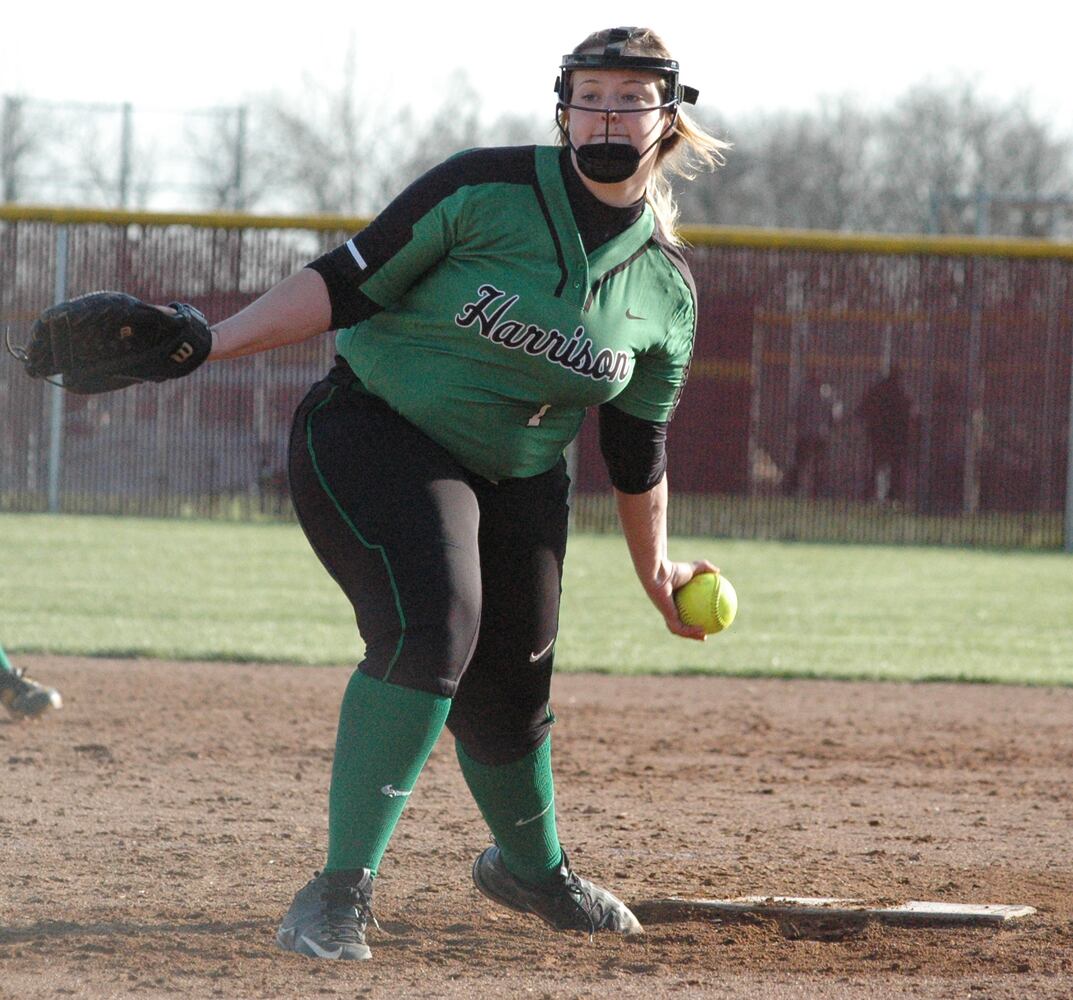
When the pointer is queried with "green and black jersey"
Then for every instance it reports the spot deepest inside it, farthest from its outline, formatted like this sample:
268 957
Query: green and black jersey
471 307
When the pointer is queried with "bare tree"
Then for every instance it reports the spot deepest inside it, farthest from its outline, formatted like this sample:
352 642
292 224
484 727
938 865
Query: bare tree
807 170
934 162
228 169
940 159
306 148
454 126
90 154
521 130
948 155
346 152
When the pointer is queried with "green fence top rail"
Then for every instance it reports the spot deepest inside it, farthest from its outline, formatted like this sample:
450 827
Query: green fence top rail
697 236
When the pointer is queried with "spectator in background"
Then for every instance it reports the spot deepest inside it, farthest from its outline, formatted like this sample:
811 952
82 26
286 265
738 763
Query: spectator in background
887 412
23 697
818 410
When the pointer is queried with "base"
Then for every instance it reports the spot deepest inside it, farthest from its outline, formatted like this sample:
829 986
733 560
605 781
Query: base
914 913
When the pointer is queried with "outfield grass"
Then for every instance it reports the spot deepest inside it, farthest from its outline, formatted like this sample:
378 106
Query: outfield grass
217 590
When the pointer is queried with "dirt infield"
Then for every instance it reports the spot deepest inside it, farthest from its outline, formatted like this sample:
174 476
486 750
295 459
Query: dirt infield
155 830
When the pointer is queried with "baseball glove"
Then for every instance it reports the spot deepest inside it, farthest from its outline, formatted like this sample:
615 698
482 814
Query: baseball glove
109 340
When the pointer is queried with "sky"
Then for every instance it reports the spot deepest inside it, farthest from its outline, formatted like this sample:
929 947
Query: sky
745 58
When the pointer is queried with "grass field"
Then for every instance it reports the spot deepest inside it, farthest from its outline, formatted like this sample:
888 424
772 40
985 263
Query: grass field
215 590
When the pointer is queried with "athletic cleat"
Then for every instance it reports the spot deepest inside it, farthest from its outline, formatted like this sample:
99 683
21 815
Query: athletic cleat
329 921
24 698
569 903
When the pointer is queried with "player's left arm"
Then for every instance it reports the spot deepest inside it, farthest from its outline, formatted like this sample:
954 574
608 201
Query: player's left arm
636 421
644 523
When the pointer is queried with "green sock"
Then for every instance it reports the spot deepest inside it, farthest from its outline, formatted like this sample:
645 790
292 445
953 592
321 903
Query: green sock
385 735
517 801
5 666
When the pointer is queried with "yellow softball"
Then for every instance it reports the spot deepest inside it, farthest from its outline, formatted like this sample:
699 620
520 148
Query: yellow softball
708 600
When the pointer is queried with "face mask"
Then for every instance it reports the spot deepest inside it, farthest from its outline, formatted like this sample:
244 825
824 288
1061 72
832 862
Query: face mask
607 162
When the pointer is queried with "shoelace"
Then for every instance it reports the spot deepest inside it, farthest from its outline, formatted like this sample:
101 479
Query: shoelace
344 923
584 902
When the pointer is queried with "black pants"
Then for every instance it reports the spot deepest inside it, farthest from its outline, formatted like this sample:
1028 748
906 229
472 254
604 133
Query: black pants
455 581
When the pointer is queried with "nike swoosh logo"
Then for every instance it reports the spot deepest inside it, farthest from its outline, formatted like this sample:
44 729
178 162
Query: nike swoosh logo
322 952
533 657
630 315
533 819
392 792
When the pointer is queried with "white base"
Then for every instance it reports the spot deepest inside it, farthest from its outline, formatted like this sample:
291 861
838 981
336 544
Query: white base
914 913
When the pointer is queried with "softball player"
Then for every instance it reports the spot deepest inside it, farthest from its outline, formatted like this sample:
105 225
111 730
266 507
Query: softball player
478 317
22 696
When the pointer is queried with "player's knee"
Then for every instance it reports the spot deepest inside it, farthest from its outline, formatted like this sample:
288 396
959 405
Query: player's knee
488 743
430 654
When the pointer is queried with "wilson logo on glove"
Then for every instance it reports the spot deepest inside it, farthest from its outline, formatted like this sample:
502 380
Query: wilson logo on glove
184 353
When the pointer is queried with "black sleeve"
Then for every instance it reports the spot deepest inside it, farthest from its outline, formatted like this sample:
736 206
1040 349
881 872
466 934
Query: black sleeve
350 305
635 450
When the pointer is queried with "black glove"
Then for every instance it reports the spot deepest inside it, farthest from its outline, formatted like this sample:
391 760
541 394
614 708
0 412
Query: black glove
109 340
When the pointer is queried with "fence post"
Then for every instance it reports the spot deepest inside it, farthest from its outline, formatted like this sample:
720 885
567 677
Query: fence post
56 401
974 417
1069 459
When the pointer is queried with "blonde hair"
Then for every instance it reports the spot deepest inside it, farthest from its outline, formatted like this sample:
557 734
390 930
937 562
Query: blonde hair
689 147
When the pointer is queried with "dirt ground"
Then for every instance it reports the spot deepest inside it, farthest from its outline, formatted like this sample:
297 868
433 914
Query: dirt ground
156 828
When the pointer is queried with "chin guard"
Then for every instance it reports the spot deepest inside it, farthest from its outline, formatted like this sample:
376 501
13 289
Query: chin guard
607 162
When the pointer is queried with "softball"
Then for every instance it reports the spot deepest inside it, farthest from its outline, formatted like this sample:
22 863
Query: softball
708 600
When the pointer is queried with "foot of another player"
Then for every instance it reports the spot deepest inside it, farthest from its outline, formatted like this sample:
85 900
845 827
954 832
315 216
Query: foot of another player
25 698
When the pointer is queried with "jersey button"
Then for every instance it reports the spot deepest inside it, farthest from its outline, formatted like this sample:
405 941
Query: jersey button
577 284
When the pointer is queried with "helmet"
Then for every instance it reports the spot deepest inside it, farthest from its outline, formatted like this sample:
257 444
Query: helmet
613 57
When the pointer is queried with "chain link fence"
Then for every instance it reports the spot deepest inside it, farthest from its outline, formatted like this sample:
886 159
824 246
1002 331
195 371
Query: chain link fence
843 388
